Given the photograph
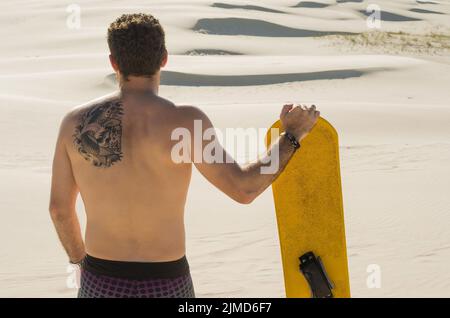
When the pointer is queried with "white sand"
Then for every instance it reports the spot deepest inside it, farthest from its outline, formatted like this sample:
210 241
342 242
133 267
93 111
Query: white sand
388 100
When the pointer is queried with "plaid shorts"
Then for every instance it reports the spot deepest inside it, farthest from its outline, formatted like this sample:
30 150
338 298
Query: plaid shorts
99 279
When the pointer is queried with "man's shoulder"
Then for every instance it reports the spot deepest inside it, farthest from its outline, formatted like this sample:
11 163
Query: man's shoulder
78 110
72 118
189 112
187 115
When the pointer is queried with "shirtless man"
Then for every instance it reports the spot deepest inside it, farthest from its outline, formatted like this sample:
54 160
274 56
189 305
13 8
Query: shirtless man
116 152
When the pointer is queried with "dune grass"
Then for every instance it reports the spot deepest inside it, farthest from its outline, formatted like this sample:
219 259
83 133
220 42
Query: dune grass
395 42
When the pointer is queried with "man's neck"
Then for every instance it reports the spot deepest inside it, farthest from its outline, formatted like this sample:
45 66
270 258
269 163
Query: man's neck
140 85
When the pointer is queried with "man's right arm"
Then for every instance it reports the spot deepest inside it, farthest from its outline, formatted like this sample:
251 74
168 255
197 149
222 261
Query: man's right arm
245 183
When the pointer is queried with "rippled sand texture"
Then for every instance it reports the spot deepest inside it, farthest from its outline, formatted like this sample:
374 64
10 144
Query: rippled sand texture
386 91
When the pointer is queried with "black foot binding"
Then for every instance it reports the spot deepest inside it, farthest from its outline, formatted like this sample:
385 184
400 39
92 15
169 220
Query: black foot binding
314 272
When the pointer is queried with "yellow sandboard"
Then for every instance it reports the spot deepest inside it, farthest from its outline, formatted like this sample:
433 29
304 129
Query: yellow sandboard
309 210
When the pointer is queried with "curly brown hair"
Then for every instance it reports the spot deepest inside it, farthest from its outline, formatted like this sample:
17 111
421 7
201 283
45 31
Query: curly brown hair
137 44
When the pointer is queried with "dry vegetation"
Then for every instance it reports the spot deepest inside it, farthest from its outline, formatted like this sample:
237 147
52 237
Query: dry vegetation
394 42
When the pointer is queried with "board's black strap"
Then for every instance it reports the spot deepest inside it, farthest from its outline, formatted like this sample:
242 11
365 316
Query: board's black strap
316 276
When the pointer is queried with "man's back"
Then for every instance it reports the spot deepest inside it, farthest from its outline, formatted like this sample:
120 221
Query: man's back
117 152
134 193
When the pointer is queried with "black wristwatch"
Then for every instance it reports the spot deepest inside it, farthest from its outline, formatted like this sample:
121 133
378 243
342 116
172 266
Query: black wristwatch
292 140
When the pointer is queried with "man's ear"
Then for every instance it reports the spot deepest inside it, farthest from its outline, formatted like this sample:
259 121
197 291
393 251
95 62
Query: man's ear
113 63
165 59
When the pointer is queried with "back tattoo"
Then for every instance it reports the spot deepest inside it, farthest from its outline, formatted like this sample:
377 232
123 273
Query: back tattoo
98 134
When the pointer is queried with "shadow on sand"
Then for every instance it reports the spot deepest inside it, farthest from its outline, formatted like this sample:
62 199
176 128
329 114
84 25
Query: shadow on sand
417 10
310 4
391 17
187 79
244 7
252 27
210 52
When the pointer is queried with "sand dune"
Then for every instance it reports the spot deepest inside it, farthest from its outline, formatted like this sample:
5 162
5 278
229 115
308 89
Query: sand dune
349 1
393 17
183 79
417 10
385 91
210 52
310 4
427 2
244 7
253 27
188 79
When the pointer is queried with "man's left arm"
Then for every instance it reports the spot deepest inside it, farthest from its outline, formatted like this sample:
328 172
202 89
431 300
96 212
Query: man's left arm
63 197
